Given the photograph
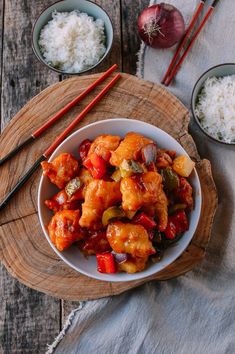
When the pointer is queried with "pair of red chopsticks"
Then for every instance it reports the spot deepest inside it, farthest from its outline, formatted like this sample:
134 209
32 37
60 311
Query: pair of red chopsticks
62 136
176 62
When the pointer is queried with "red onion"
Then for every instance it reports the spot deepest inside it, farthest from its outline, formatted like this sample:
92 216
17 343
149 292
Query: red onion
161 25
120 257
149 153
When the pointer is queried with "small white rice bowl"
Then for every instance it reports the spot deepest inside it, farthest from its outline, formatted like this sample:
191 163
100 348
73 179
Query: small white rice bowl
72 41
215 108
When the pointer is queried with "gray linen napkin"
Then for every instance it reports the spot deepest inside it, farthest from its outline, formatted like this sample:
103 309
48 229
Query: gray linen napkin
194 313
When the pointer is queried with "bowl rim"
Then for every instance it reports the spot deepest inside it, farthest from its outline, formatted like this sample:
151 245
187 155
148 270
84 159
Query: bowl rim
192 103
66 72
138 275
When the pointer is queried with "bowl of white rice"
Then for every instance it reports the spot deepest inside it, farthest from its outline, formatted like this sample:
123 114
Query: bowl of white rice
213 103
72 36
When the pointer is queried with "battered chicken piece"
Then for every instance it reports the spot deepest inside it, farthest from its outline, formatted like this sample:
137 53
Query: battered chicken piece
99 196
140 190
61 170
103 145
129 148
64 229
129 238
145 191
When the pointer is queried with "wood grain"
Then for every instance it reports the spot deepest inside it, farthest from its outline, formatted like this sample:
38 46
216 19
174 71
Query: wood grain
2 5
23 77
20 232
130 39
28 319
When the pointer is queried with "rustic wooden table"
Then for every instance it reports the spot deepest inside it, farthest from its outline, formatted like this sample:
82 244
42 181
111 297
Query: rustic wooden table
29 320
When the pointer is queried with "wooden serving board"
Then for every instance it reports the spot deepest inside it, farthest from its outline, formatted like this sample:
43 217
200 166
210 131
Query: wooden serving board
23 248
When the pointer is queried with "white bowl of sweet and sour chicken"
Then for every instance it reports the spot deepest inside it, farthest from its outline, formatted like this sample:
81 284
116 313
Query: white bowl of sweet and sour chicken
119 200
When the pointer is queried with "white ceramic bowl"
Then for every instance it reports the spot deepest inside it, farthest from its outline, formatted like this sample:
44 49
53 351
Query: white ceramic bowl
120 126
86 6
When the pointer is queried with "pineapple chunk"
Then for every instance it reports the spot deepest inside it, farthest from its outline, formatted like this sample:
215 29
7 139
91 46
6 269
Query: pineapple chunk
183 165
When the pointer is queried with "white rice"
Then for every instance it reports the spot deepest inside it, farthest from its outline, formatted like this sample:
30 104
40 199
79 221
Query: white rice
215 108
72 41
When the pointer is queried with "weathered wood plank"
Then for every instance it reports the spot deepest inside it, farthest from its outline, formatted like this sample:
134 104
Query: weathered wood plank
28 319
22 75
130 40
2 5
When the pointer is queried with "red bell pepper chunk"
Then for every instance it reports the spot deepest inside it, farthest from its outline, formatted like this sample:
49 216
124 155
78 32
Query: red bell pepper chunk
84 149
177 224
182 220
106 263
99 166
146 221
170 230
96 165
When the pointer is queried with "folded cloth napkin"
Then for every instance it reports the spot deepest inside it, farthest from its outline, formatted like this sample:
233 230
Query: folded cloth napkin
194 313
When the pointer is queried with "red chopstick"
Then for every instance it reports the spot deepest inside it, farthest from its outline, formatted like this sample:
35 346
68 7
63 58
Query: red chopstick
202 24
65 109
185 38
58 140
81 115
59 114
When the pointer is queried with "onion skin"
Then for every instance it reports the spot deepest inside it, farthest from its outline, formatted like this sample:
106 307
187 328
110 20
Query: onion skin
161 25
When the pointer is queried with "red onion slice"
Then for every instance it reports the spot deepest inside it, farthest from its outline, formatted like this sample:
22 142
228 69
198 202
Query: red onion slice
149 153
120 257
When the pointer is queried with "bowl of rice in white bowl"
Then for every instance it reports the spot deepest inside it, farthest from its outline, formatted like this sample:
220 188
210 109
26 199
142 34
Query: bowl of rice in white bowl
72 36
213 103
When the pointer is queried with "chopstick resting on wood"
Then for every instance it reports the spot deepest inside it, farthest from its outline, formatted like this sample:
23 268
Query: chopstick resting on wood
185 38
58 115
58 140
196 34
